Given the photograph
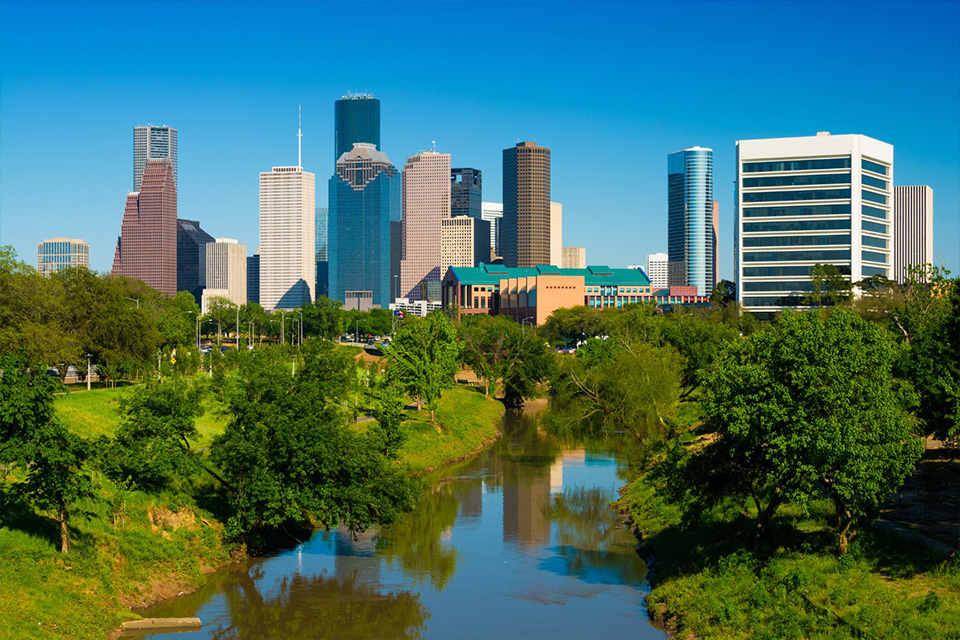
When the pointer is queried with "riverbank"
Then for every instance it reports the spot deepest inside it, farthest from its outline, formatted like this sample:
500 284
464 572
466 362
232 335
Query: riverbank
705 584
132 549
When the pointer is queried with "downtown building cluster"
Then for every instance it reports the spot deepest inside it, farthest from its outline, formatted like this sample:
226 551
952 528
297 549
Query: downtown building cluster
423 238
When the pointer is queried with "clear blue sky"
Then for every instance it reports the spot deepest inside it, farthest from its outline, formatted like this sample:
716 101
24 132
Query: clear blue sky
611 88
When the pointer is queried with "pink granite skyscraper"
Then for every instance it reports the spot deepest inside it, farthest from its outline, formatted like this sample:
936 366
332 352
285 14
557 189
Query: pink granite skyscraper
147 246
426 203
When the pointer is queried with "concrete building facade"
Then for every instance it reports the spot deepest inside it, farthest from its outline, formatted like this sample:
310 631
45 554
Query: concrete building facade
657 270
574 258
912 229
153 143
804 201
464 242
426 204
525 227
147 246
60 253
226 272
288 266
556 234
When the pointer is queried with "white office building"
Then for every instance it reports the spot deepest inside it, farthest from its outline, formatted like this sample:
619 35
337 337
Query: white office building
912 229
657 265
574 258
801 201
225 272
288 268
153 143
556 234
492 212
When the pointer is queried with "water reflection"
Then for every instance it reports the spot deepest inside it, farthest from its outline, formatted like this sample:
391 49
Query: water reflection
518 542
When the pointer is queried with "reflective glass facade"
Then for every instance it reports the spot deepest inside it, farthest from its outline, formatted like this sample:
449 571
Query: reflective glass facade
356 119
690 219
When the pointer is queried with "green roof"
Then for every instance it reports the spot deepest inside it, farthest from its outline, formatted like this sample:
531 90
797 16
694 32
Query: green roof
595 275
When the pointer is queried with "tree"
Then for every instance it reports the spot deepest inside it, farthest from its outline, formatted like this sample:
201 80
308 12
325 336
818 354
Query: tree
388 412
221 310
422 358
723 294
575 324
698 341
806 408
323 318
830 287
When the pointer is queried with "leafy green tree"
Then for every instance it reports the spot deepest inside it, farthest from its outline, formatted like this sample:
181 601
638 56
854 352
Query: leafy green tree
830 287
323 318
388 411
698 340
530 363
807 407
723 294
176 320
222 311
422 358
573 324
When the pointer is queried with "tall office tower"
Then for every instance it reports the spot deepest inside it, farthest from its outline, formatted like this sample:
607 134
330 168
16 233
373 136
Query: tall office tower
153 143
356 119
525 228
690 221
464 242
657 270
323 252
147 246
426 203
288 264
226 272
556 233
191 257
492 212
912 229
364 218
466 193
59 253
574 258
253 277
808 200
716 236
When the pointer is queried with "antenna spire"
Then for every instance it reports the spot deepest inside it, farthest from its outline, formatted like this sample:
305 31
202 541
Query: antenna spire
299 139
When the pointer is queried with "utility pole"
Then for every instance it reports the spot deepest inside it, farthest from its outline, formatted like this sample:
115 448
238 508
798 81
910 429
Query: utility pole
88 372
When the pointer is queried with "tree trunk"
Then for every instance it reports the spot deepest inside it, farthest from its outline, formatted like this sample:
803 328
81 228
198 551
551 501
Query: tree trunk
419 403
844 522
764 517
64 533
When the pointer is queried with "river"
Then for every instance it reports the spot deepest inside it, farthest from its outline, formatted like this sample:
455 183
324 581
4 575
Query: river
518 542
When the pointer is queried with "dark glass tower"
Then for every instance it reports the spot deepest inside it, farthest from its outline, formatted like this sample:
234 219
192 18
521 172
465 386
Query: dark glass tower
364 219
355 119
466 193
191 257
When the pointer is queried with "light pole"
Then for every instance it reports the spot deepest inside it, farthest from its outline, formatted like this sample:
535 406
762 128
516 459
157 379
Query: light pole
159 377
300 327
523 324
293 365
281 326
137 300
238 327
88 372
396 287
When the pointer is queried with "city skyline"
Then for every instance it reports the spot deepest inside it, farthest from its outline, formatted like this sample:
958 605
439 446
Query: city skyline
570 114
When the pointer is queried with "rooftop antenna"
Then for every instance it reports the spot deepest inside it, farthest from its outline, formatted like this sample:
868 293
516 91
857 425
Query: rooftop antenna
299 139
434 146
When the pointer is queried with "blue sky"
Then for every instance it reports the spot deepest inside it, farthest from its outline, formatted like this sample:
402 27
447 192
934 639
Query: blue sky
610 87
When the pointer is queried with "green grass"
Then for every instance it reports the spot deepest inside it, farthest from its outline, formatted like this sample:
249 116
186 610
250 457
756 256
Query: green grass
468 419
706 585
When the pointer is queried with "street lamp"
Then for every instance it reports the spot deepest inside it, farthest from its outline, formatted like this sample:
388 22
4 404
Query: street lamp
300 327
523 324
88 372
293 367
137 300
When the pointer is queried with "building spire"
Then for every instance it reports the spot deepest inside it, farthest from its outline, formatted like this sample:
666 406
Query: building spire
299 139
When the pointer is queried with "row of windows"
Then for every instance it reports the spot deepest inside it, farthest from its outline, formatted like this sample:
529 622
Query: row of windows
875 227
870 181
808 210
873 212
783 256
873 256
872 271
790 285
870 241
873 197
781 301
797 165
782 272
798 180
795 241
797 225
814 194
873 166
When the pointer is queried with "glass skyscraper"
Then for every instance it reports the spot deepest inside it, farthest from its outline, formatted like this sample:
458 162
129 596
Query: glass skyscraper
690 221
364 217
356 119
466 193
153 143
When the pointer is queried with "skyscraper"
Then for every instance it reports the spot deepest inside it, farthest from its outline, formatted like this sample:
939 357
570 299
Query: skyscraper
364 217
556 233
657 270
690 219
253 278
426 203
323 251
59 253
147 246
153 143
191 257
465 242
288 264
492 212
356 119
808 200
226 272
716 238
912 229
466 193
525 228
573 258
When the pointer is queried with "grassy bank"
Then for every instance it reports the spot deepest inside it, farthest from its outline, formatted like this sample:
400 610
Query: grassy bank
706 586
469 421
132 548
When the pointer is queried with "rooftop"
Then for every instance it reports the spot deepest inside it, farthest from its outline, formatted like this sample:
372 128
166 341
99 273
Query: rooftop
491 274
